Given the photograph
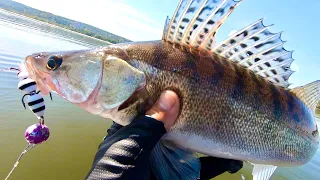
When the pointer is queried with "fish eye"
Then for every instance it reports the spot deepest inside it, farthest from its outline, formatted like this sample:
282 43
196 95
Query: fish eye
54 62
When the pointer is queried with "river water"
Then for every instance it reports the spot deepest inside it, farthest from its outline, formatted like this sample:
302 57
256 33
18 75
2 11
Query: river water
75 134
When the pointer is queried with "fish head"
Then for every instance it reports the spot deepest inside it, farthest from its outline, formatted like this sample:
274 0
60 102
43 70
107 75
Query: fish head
98 81
72 75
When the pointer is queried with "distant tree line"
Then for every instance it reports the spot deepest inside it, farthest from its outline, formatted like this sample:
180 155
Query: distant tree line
61 22
79 30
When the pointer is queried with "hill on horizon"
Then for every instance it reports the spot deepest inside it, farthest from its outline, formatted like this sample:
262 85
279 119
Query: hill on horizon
60 21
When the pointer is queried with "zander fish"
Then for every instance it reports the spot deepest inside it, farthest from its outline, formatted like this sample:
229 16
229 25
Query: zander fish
235 98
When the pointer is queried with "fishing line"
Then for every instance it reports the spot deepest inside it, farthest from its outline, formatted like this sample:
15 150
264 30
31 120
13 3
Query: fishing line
28 148
9 70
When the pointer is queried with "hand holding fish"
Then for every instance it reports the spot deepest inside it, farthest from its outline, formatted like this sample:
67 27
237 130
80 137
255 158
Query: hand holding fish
131 146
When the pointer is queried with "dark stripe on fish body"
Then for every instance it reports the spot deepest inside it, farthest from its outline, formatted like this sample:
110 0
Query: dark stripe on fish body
277 109
190 63
27 85
39 109
238 89
195 76
296 118
256 93
35 102
218 72
290 102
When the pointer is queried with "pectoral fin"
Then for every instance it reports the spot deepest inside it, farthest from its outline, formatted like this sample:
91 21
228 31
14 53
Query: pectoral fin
263 172
169 162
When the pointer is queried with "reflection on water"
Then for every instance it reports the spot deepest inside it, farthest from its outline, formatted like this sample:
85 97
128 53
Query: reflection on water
75 134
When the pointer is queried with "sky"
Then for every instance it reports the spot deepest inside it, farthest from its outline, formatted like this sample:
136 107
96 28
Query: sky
143 20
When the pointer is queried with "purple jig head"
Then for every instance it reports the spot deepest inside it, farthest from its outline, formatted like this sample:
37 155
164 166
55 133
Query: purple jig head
37 133
34 134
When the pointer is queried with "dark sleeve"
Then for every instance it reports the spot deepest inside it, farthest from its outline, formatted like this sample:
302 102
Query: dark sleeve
212 166
125 153
113 129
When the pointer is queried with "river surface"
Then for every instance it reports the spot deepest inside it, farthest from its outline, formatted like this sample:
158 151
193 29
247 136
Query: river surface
75 134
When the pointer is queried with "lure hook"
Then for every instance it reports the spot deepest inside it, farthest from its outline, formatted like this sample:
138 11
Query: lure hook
49 94
22 100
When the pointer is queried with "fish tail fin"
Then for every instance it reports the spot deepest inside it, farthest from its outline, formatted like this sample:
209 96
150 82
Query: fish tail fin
309 94
170 162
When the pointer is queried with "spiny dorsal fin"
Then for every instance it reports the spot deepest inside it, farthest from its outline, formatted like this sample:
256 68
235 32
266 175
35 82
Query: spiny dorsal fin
309 94
261 51
166 27
195 23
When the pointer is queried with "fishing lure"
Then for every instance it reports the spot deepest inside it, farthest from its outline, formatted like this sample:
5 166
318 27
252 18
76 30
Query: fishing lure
36 133
35 100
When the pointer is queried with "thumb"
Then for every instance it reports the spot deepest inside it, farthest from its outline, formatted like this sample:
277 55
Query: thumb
166 109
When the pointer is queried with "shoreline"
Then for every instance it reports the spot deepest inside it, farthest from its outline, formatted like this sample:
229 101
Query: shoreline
59 22
50 29
50 24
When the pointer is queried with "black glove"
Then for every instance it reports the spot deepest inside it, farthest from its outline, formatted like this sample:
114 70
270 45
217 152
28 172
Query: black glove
125 151
210 166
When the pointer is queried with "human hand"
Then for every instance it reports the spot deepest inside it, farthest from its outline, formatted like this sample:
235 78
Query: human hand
166 109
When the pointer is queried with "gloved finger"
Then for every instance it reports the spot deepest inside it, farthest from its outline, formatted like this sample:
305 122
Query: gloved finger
212 166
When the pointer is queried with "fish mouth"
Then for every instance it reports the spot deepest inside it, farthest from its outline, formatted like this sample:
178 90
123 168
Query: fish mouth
43 79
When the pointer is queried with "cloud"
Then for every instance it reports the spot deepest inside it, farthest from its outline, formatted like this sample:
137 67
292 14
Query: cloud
110 15
294 67
232 32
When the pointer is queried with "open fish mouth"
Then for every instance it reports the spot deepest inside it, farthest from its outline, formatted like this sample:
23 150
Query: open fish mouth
43 79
